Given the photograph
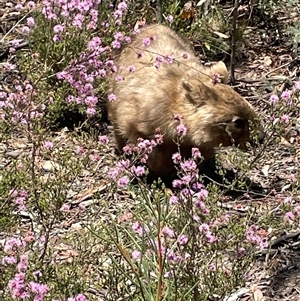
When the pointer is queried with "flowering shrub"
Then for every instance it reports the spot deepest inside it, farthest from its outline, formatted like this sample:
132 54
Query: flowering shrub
26 284
175 248
75 57
285 107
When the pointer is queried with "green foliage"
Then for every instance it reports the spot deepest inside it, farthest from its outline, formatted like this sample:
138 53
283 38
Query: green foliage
267 7
10 177
201 272
294 30
48 57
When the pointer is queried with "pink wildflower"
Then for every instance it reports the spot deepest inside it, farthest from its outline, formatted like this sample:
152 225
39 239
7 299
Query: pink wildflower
289 216
182 240
30 22
274 99
137 227
65 208
285 118
123 182
58 29
111 97
286 95
204 228
185 56
103 139
181 130
122 6
176 158
48 144
170 18
173 199
139 171
146 41
131 68
168 232
136 255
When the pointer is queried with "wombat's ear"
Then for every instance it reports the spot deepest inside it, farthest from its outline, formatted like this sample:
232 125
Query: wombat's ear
220 67
187 85
197 92
194 86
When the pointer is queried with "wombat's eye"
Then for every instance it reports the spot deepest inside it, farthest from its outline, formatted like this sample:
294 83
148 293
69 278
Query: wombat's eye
239 123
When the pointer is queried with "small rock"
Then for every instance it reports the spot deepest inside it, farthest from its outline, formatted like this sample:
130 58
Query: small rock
50 166
13 154
88 203
265 170
267 61
76 226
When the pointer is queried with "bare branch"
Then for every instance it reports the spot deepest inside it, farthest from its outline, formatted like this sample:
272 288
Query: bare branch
233 41
158 11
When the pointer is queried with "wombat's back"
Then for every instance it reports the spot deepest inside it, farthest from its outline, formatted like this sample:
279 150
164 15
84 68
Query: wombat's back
153 64
156 44
163 41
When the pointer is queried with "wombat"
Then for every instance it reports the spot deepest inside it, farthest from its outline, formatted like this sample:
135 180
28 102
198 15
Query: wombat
167 80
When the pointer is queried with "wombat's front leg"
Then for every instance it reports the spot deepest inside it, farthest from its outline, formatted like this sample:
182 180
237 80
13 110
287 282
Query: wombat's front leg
160 161
120 141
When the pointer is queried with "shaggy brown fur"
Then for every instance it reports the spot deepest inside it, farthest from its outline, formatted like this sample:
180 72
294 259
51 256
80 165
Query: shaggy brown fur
149 97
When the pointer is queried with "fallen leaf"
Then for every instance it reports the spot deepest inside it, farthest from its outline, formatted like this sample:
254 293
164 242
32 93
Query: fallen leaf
257 294
283 141
253 66
188 11
221 35
265 170
76 226
267 61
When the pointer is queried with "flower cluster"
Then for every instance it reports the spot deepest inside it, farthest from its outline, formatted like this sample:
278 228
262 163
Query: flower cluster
257 236
180 128
293 215
216 78
19 107
140 152
19 197
26 285
20 287
169 245
69 19
286 105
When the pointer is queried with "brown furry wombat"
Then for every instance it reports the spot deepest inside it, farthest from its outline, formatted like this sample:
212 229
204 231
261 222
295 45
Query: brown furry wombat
167 79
